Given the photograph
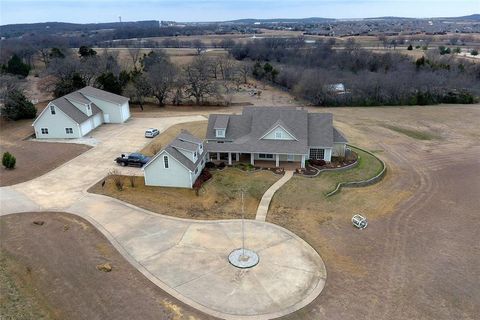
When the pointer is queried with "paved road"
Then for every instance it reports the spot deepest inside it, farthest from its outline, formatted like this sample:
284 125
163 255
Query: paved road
186 258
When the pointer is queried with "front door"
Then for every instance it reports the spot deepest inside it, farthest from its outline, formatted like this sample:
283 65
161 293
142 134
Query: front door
290 157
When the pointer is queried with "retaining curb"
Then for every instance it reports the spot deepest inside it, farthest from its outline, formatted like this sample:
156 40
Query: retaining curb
361 183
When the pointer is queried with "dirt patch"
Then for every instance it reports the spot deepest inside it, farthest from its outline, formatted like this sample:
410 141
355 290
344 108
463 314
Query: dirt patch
52 274
219 198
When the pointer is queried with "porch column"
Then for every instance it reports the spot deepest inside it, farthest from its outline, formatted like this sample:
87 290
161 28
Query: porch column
252 159
302 164
277 160
229 158
218 155
237 157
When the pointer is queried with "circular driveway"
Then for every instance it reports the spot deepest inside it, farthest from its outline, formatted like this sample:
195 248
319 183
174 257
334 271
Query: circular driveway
186 258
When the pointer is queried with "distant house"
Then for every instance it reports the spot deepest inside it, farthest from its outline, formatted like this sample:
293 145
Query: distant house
336 88
177 165
76 114
275 135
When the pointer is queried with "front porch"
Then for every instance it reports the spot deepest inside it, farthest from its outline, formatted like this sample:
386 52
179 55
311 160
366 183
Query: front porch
288 162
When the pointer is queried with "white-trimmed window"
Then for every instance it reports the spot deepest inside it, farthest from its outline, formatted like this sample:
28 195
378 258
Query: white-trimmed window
196 170
278 135
317 154
265 156
52 109
165 162
69 130
220 133
195 154
44 130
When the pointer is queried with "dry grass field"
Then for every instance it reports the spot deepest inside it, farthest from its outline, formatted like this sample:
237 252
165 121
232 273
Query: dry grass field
48 272
417 259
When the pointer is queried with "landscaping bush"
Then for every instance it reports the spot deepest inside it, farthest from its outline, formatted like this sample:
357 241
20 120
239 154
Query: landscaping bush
117 179
202 178
8 160
318 162
221 165
209 165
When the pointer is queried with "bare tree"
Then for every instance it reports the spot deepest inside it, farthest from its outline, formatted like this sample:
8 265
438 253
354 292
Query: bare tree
134 52
199 46
161 77
198 84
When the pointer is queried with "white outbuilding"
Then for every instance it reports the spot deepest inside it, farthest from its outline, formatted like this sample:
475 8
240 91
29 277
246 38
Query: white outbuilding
76 114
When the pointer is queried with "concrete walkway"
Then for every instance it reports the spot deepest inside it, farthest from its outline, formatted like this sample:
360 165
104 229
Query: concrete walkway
268 195
186 258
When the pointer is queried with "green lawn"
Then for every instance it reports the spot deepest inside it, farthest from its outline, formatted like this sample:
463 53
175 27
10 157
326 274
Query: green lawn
309 193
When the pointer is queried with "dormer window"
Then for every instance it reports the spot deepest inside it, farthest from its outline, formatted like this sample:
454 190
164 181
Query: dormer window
52 109
220 133
278 134
88 107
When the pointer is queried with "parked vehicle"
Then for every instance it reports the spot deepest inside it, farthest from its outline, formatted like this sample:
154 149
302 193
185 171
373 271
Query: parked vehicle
151 133
132 159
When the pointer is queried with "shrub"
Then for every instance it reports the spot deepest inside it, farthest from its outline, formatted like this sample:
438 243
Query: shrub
221 165
474 52
202 178
117 179
8 160
16 66
318 162
209 165
410 47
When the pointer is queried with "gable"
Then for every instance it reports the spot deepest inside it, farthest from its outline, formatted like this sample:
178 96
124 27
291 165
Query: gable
278 133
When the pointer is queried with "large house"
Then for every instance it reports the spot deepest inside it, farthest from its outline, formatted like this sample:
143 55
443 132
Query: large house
76 114
177 165
274 134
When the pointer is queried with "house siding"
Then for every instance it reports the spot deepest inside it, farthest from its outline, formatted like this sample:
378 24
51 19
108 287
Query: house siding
175 176
338 150
56 125
114 112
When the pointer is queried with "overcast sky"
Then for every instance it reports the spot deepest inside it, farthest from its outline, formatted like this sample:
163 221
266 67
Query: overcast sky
84 11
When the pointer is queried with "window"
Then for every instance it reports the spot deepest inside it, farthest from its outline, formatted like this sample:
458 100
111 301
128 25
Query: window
52 109
88 106
317 154
220 133
165 162
265 156
195 154
196 170
278 134
69 130
44 130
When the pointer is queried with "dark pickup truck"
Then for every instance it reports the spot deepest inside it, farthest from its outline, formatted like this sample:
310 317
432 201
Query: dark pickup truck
132 159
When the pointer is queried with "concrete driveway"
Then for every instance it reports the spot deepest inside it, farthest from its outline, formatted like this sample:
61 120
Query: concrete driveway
186 258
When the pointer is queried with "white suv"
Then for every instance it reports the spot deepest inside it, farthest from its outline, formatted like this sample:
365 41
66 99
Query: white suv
151 133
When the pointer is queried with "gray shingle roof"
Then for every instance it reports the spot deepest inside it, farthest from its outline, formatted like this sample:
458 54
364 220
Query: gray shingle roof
187 136
221 122
103 95
338 136
320 130
245 131
77 97
72 111
181 141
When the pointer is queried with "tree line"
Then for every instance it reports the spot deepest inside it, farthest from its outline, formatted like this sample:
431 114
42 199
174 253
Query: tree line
312 72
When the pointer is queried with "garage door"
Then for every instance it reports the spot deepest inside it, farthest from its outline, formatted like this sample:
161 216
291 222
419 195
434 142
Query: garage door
97 120
86 127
